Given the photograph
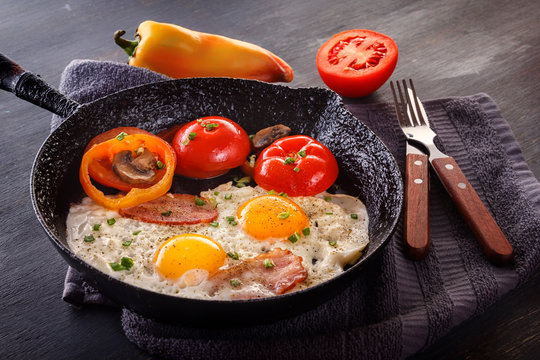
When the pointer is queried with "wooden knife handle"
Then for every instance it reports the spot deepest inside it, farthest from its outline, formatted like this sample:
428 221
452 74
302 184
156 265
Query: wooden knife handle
416 206
491 238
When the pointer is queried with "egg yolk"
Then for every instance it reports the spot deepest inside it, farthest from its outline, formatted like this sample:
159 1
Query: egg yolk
270 217
186 252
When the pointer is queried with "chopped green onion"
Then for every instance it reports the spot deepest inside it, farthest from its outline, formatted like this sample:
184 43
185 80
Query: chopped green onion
216 193
199 201
240 185
251 136
126 243
214 201
160 165
268 263
271 192
89 238
354 216
121 136
302 153
137 232
231 220
306 231
167 213
283 215
296 169
332 243
294 237
233 255
211 126
327 198
228 197
282 194
125 264
329 213
96 227
199 121
111 221
235 282
185 142
288 160
192 135
214 224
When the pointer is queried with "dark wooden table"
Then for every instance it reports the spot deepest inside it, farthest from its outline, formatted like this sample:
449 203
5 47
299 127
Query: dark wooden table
450 48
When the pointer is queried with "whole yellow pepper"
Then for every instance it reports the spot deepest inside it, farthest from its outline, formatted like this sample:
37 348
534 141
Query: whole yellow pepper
179 53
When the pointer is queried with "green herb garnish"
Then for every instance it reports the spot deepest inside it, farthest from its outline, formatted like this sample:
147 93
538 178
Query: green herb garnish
185 142
160 165
332 243
111 221
235 282
268 263
233 255
96 227
327 198
167 213
192 135
306 231
125 264
294 237
89 238
288 160
126 243
354 216
228 197
121 136
137 232
231 220
302 153
296 169
211 126
199 201
214 224
283 215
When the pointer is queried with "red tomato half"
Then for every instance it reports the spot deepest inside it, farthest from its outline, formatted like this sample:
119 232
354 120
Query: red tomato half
355 63
209 147
297 165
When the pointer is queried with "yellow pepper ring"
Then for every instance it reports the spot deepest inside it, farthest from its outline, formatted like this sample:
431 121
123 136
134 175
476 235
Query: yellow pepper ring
135 196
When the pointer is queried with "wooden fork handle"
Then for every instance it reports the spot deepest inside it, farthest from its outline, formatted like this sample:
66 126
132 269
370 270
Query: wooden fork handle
491 238
416 206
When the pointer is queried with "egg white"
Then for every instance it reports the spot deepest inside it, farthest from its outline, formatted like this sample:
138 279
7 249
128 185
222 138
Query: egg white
335 240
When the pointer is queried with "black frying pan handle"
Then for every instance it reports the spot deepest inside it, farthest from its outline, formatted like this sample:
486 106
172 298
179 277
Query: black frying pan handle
29 87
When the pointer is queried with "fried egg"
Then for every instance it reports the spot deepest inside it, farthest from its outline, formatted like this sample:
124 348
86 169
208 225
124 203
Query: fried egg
327 231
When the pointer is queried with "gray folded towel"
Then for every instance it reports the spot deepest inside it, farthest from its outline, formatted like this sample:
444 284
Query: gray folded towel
396 307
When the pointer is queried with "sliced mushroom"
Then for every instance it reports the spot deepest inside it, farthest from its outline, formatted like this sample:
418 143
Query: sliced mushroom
135 171
267 136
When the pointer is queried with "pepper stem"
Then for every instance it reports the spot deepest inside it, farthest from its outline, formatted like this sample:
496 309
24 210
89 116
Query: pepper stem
128 46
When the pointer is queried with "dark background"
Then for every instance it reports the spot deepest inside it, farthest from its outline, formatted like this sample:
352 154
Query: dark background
452 48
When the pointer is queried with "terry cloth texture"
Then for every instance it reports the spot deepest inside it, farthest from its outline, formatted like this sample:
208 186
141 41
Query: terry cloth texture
396 307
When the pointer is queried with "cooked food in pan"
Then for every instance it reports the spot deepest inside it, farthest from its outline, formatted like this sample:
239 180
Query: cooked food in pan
234 241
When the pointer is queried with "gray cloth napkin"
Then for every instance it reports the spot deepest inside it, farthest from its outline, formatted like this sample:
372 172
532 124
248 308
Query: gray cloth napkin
396 307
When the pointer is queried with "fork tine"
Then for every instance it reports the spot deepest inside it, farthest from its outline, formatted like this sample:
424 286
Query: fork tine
421 119
404 106
412 113
396 105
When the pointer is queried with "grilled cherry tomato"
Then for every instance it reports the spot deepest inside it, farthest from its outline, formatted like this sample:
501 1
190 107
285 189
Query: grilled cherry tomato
106 151
355 63
101 171
296 165
209 147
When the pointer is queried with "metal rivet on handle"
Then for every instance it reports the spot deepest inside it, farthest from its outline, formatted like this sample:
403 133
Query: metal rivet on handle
418 181
461 185
449 166
418 162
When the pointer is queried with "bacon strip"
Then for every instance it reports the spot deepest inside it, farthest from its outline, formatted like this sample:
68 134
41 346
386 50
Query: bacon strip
173 209
286 273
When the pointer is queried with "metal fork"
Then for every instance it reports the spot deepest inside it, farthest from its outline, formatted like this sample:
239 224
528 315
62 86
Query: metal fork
414 123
